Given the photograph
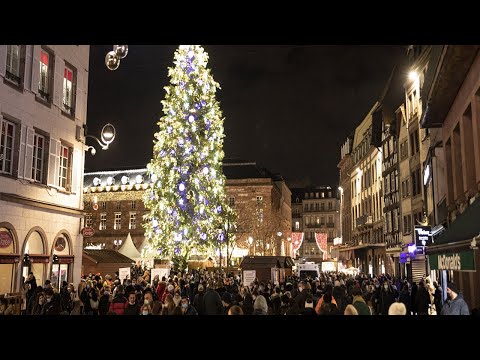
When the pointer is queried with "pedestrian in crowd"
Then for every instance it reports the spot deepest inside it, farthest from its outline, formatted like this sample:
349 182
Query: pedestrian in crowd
198 300
146 310
4 306
247 306
52 303
154 304
132 307
168 306
260 306
350 310
38 305
119 302
77 307
387 298
308 307
235 310
105 300
226 302
397 308
455 304
358 302
422 299
187 309
438 297
211 301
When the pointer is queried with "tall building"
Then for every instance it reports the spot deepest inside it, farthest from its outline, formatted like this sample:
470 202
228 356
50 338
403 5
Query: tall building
453 106
114 208
368 252
345 166
414 147
43 104
316 210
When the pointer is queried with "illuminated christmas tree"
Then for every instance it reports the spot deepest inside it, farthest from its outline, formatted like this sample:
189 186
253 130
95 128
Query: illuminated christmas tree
187 202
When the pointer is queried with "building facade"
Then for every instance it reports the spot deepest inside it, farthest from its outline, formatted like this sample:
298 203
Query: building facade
454 108
43 104
367 201
345 166
114 208
317 210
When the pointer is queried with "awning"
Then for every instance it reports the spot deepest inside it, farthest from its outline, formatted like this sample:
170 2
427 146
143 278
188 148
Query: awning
465 227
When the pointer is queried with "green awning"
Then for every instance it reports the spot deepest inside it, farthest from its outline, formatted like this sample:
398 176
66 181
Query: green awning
465 227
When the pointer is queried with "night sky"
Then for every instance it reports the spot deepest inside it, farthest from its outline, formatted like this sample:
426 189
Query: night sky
289 108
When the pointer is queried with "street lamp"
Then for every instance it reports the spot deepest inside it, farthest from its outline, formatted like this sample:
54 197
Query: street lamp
107 136
250 241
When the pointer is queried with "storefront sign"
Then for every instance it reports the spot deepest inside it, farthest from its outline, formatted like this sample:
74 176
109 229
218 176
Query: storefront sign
5 239
249 277
160 272
456 261
124 273
88 231
423 235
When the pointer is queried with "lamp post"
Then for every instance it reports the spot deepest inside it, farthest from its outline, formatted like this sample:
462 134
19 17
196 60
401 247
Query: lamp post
107 136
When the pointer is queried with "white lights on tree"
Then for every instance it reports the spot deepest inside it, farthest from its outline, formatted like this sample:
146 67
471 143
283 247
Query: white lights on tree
139 179
97 181
110 181
125 180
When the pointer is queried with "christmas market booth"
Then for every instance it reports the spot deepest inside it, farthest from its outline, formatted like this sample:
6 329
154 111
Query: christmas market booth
264 268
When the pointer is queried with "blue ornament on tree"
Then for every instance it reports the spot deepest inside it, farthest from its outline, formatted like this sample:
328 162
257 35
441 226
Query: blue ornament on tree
221 237
177 251
204 103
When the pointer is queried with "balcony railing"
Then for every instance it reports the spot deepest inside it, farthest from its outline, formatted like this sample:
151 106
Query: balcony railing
330 225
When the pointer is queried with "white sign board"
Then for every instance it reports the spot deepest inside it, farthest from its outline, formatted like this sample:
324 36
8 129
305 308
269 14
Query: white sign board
249 277
123 273
328 266
160 273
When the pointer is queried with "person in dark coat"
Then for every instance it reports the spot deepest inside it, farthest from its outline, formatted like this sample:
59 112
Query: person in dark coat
301 295
413 297
187 309
198 300
422 299
405 298
359 303
32 286
438 297
211 301
247 306
387 298
340 296
132 308
104 302
52 304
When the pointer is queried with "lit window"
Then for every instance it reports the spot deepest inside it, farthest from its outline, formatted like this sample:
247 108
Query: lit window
118 221
259 199
43 86
297 225
133 221
64 165
13 63
104 205
103 221
68 90
6 146
38 151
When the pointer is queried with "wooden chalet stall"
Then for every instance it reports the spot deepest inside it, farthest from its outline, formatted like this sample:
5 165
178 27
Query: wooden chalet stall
104 261
274 268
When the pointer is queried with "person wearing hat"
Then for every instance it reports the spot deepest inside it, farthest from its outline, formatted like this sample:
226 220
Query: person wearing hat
198 300
455 304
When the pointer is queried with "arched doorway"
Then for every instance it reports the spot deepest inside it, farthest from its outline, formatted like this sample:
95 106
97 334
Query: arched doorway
62 259
9 257
35 258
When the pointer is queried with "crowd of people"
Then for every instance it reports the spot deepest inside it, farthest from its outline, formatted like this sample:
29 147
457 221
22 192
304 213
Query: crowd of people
208 293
